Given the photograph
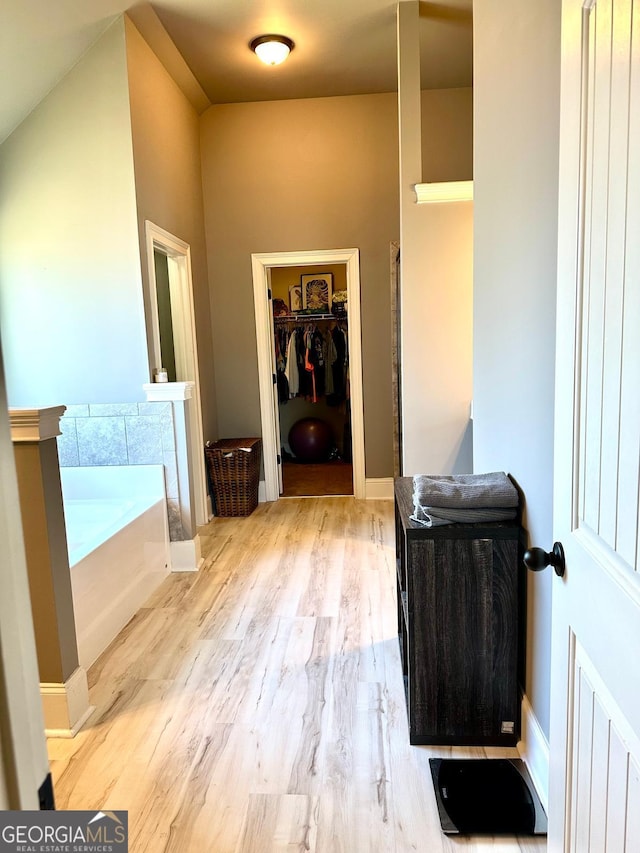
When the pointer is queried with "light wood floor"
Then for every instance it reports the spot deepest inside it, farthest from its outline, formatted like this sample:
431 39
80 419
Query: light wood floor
258 705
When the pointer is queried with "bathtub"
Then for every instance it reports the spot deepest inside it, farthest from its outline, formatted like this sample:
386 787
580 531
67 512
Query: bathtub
118 543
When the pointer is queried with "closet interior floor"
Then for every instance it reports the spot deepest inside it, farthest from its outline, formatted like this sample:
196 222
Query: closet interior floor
315 480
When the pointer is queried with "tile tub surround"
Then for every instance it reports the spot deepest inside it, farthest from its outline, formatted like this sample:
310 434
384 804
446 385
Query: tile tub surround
96 434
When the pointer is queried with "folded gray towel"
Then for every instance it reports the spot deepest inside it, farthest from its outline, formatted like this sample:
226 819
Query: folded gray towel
435 516
465 491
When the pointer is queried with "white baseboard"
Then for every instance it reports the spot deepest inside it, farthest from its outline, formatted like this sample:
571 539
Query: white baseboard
186 556
534 751
379 488
66 706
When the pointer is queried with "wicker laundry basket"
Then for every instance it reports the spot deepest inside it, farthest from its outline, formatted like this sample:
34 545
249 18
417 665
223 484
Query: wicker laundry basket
234 466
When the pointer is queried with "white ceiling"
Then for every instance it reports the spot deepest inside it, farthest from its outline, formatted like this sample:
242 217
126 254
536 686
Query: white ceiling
342 46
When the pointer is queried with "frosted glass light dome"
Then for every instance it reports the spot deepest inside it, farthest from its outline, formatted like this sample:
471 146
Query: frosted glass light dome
272 50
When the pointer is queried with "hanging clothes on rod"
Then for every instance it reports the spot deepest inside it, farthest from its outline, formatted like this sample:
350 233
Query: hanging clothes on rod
311 359
280 341
339 366
291 370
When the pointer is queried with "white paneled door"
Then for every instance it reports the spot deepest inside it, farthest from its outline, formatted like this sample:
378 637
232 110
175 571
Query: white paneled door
594 799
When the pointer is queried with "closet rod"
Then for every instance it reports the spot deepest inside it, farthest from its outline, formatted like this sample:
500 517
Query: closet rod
307 318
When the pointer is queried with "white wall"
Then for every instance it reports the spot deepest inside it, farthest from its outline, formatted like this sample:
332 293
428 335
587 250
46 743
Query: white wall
516 94
71 309
436 292
436 274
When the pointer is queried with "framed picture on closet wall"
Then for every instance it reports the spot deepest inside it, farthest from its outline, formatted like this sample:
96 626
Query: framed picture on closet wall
295 297
316 291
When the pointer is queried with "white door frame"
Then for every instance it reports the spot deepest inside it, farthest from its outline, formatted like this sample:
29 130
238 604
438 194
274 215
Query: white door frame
261 263
184 326
276 401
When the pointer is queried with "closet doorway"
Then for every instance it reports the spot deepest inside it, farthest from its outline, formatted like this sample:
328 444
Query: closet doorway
321 411
312 379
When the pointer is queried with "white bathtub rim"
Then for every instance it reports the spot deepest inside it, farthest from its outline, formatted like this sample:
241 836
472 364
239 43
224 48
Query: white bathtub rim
112 481
142 484
109 531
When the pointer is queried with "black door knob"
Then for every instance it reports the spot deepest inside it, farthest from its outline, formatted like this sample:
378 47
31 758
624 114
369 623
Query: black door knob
536 559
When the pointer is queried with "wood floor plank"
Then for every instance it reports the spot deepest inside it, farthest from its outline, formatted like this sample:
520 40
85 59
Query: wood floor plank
306 773
258 704
112 734
372 828
279 824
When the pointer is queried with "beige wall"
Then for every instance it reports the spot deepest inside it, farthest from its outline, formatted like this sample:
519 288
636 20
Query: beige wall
166 150
291 176
5 804
447 135
516 194
71 310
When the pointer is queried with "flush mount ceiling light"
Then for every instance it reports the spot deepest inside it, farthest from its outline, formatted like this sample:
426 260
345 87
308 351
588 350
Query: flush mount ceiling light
271 49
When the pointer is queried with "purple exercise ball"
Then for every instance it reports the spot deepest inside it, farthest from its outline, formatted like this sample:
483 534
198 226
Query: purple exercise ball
311 440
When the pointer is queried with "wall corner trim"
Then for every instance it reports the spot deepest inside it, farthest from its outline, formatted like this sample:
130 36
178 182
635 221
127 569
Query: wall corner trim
534 751
379 488
446 191
186 556
34 425
66 706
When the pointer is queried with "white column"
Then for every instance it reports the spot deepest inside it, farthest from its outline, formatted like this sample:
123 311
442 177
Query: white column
63 682
185 552
23 755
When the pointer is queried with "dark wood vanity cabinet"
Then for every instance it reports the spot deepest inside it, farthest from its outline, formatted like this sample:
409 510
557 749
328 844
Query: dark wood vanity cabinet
460 627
